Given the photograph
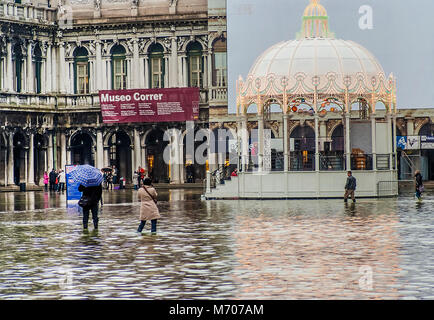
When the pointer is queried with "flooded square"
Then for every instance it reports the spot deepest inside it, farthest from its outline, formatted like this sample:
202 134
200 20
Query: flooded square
240 249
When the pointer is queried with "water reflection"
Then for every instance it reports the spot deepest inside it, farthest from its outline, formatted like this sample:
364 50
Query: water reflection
216 249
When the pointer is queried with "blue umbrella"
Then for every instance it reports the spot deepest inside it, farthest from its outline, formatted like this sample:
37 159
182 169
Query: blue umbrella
86 175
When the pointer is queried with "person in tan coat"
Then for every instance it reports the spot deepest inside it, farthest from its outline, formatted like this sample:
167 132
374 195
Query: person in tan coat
148 208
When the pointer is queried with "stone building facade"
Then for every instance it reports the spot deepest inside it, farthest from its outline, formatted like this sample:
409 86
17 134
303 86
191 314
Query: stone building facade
56 55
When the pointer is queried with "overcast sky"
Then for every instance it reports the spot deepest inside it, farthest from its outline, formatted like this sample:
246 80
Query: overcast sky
402 38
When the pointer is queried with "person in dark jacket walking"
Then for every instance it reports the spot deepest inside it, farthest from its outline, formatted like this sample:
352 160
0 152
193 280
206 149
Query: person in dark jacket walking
350 187
419 184
94 195
52 177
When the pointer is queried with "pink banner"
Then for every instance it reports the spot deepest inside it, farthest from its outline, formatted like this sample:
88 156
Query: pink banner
149 105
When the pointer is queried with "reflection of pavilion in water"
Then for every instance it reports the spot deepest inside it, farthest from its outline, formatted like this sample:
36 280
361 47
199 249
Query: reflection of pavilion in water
315 256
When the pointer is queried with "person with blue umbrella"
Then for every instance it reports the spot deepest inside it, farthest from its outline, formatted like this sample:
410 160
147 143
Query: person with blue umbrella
90 179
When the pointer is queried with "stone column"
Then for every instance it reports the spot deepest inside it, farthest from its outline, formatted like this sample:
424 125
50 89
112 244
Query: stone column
205 70
54 82
210 71
31 169
145 162
30 76
9 65
98 67
62 150
109 75
50 152
141 73
166 71
137 153
68 155
174 64
99 149
374 141
147 72
11 159
136 64
185 71
180 72
347 142
62 68
260 140
48 76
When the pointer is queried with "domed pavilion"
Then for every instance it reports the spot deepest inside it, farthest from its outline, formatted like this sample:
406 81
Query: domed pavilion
309 79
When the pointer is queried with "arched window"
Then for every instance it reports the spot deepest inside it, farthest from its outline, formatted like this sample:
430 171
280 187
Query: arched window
219 75
37 57
156 65
81 62
195 65
119 68
18 61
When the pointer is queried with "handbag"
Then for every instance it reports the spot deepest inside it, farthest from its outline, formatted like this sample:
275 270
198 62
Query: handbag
84 202
421 188
155 200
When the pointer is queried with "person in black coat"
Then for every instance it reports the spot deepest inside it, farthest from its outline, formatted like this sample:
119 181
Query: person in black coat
52 179
419 184
93 194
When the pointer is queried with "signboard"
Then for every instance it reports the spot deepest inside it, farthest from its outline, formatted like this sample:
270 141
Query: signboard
408 142
149 105
426 142
72 193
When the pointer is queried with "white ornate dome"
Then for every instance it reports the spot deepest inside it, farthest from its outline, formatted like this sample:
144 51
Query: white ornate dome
317 57
316 66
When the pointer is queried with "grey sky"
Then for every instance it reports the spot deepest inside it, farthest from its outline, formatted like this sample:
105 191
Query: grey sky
402 38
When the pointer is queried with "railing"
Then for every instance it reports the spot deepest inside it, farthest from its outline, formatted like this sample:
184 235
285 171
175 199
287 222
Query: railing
78 100
383 162
218 95
361 161
332 163
26 99
300 162
27 12
387 188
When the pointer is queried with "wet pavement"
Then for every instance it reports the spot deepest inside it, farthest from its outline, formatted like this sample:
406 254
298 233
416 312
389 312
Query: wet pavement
280 249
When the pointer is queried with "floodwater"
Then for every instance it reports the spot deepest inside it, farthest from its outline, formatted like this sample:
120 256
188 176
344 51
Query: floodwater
318 249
